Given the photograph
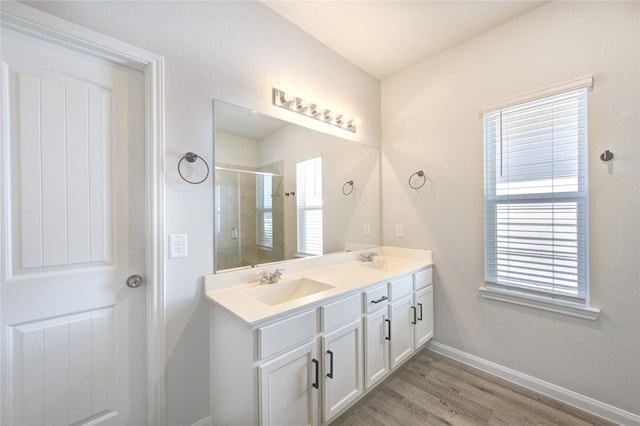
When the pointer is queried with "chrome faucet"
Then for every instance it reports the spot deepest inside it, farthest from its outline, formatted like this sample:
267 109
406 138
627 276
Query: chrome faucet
270 277
367 257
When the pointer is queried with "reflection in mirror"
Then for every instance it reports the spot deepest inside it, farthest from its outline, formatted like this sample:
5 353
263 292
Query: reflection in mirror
279 190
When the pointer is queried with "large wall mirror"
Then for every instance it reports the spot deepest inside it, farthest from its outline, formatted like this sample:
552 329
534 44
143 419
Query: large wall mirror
284 191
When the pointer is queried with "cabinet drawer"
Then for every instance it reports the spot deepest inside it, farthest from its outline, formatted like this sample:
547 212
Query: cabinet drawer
401 287
286 333
376 299
423 279
339 312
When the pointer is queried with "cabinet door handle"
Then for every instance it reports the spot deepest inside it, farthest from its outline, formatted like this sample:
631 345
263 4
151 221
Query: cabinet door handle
420 317
315 384
414 322
330 373
381 299
388 321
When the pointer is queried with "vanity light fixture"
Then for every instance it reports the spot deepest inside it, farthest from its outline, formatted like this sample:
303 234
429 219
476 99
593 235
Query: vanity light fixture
314 110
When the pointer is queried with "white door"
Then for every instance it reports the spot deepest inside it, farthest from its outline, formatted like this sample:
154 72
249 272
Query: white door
73 332
342 352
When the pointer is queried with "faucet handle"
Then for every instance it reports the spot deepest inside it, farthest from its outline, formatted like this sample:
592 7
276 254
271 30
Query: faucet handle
264 276
277 274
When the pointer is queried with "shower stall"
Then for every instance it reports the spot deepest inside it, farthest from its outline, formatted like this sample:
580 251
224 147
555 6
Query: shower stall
250 215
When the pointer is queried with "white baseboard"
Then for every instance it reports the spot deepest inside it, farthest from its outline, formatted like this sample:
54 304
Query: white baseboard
577 400
204 422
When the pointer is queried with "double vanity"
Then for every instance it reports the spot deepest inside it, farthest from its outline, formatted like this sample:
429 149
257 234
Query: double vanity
315 335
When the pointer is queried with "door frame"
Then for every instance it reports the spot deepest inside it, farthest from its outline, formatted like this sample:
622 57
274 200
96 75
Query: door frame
35 23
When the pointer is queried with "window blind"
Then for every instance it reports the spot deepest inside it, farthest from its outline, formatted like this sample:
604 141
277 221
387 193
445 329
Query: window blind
264 210
536 197
309 206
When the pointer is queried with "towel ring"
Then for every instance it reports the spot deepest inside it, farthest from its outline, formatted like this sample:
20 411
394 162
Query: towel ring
421 174
347 190
191 158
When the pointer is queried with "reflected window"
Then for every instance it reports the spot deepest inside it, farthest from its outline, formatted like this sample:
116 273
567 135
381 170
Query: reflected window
309 206
264 211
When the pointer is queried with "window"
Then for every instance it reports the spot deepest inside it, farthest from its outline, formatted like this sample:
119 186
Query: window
536 226
309 206
264 211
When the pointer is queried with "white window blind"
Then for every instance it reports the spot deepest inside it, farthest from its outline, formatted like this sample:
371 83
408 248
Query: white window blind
536 228
309 206
264 210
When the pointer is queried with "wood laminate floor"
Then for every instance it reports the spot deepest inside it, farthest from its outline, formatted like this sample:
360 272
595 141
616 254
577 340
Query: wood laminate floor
431 389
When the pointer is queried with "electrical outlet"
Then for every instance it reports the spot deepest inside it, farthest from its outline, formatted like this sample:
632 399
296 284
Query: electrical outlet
366 229
177 245
399 230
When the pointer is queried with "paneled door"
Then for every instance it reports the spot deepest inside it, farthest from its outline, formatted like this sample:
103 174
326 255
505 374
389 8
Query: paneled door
73 317
343 360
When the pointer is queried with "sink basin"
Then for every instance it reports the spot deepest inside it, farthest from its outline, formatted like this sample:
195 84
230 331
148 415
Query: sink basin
286 291
381 263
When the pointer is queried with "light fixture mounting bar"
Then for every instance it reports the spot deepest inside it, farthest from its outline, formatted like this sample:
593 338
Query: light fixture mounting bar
312 109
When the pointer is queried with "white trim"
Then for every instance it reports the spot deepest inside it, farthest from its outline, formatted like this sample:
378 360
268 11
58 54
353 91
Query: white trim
577 83
572 398
543 303
27 20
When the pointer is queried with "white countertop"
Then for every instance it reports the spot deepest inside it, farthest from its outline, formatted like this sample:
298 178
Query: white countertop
343 272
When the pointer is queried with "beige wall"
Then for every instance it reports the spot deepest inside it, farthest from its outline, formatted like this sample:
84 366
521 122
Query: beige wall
431 121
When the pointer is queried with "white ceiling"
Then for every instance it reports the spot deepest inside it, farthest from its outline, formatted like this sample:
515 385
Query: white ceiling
386 36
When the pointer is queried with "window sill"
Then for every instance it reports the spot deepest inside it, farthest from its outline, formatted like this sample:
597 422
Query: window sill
585 312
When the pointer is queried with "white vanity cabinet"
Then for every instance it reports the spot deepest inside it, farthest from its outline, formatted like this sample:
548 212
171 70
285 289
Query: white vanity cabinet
405 327
265 375
288 383
307 365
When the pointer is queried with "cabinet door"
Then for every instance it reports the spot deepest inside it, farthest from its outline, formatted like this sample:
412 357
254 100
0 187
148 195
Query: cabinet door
342 372
401 314
288 384
376 358
424 324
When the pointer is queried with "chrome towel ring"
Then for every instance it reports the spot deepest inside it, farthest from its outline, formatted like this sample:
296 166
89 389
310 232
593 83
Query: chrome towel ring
191 158
419 174
347 188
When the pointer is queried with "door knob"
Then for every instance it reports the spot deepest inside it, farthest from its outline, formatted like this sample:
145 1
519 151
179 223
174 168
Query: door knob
134 281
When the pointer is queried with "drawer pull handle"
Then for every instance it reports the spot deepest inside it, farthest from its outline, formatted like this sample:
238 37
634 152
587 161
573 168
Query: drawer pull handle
315 384
414 322
388 321
330 373
420 317
381 299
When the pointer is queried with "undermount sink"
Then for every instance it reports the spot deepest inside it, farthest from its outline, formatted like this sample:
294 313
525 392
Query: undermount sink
381 263
286 291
